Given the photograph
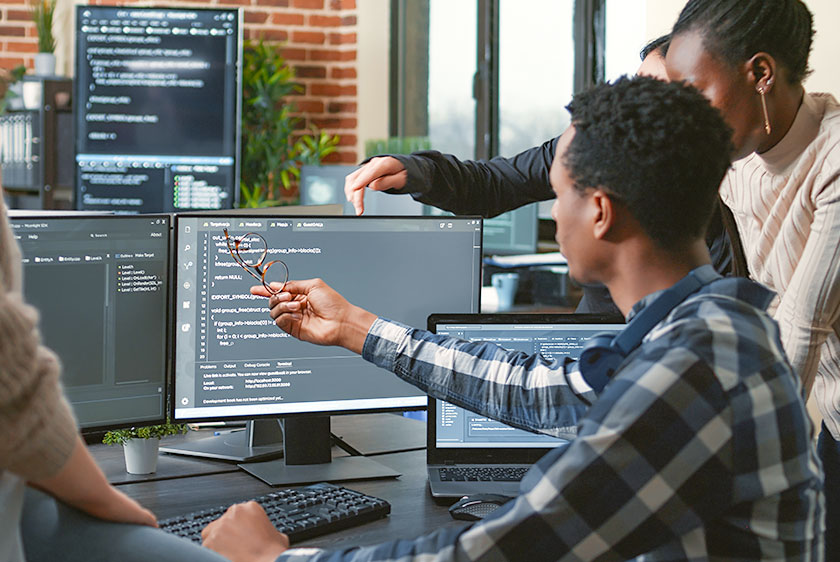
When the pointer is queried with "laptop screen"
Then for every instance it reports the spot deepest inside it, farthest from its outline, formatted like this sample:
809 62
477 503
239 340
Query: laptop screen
554 336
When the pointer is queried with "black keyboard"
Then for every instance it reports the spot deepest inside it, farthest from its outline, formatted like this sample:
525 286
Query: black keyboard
482 473
301 513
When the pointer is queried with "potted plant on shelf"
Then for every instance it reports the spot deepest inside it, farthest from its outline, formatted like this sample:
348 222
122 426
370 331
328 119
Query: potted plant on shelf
141 444
272 151
42 14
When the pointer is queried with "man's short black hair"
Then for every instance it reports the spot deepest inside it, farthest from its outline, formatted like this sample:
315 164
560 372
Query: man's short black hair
658 148
735 30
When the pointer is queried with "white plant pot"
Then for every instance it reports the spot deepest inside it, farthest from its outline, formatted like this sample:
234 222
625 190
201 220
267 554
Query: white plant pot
141 455
44 64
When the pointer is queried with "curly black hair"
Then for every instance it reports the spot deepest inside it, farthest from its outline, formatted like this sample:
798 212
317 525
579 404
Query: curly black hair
658 148
735 30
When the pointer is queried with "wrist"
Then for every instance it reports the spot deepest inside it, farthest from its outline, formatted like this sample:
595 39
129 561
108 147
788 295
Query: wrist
354 329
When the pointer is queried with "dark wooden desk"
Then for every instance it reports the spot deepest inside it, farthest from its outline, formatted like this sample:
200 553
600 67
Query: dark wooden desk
184 484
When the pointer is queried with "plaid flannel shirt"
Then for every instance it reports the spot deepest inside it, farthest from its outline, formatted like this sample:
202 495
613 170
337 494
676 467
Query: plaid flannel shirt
699 448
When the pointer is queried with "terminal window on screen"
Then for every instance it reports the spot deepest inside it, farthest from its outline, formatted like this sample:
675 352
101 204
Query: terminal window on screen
100 286
156 108
231 360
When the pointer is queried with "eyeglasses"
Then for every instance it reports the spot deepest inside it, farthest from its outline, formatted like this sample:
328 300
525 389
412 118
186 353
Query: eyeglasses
257 268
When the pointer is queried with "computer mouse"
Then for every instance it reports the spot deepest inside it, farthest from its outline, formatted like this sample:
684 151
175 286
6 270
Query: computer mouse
477 506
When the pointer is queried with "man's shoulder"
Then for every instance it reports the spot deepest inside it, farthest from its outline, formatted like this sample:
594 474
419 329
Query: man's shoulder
725 327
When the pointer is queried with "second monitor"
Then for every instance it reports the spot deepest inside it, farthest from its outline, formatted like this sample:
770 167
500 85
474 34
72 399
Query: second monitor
232 362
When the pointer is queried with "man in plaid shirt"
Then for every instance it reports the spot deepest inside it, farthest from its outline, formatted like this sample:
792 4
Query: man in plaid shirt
698 447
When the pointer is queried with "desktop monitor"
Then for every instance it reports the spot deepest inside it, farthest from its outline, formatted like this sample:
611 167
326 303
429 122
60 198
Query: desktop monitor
514 232
231 361
157 103
324 185
101 286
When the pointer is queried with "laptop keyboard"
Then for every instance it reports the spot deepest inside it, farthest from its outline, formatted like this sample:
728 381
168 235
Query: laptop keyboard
301 513
482 474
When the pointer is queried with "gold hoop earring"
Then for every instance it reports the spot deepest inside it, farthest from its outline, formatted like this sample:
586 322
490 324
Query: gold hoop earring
767 127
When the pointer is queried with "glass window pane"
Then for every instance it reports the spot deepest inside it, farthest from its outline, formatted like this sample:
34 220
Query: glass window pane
453 26
536 71
625 37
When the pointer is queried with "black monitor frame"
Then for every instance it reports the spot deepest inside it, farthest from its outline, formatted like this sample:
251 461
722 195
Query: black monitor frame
306 441
80 95
165 321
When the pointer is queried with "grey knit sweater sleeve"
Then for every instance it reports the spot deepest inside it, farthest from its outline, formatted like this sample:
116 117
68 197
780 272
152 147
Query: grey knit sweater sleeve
37 428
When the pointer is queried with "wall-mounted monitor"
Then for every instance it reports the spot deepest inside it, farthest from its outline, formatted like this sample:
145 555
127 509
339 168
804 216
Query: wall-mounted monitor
156 105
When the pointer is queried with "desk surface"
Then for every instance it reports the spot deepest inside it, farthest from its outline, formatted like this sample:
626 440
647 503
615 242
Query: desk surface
185 484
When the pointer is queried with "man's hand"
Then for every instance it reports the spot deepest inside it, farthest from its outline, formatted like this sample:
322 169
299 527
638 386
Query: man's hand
312 311
244 533
380 174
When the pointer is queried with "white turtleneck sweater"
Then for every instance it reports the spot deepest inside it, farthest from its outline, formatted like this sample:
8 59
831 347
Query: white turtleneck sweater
786 203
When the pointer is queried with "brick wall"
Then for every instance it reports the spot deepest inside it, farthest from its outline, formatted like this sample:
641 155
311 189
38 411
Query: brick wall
319 38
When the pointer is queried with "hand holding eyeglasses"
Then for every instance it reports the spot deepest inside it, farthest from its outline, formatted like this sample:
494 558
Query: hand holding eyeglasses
250 251
312 311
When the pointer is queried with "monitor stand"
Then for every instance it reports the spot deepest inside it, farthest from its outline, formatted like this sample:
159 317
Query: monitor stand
260 440
308 458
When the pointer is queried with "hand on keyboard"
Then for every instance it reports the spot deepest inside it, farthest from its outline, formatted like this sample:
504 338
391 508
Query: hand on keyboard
300 513
245 532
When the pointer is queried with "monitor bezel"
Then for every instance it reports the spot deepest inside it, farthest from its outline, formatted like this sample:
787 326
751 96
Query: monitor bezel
166 327
314 414
77 97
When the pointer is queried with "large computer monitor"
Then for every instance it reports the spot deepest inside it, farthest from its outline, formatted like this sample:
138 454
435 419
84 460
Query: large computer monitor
157 104
232 362
514 232
101 286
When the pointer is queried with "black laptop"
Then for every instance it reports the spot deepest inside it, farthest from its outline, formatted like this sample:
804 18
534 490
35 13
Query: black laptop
469 454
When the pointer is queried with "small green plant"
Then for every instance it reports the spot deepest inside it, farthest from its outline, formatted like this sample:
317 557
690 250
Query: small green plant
10 77
122 436
271 155
42 14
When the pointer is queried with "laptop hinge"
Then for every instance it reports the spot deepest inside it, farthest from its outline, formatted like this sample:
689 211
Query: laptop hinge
450 461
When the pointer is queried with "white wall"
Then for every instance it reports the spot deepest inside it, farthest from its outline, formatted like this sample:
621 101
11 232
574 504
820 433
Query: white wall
374 48
661 15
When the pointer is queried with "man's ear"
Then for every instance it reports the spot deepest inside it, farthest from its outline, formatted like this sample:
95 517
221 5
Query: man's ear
603 214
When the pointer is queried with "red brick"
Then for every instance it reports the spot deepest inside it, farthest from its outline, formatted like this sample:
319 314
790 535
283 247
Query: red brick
21 47
310 72
275 3
325 55
309 4
18 15
310 106
311 37
316 20
348 20
292 54
270 34
345 56
287 19
11 62
342 38
339 73
335 122
343 4
12 31
331 90
342 107
347 140
255 17
341 157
